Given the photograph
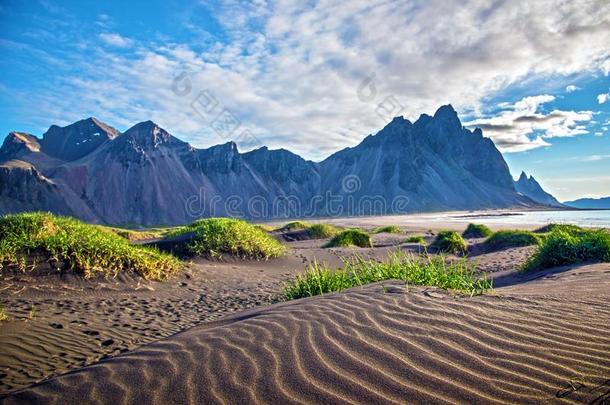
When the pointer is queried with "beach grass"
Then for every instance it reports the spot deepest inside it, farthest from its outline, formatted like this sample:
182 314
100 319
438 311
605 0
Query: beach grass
83 248
450 242
416 239
323 231
513 238
556 227
569 245
215 237
295 226
388 229
477 231
433 270
351 237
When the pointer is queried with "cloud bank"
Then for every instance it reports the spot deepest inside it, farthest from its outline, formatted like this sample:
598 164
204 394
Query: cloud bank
521 126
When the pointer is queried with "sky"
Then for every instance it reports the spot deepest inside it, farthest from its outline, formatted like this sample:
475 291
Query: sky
318 76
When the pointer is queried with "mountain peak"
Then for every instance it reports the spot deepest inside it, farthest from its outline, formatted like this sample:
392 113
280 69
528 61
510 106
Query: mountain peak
447 115
28 140
18 143
529 187
523 176
148 133
144 125
446 112
76 140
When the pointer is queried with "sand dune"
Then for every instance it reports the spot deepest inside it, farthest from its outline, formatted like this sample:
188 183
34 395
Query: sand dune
546 340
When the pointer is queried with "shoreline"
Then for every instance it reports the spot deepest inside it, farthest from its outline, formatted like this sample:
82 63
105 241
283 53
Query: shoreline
456 220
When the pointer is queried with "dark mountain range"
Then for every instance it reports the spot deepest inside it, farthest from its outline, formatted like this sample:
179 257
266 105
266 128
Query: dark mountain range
590 203
529 187
147 176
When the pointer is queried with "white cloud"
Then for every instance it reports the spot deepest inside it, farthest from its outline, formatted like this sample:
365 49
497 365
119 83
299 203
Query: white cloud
596 158
572 88
117 40
602 98
522 126
605 67
290 70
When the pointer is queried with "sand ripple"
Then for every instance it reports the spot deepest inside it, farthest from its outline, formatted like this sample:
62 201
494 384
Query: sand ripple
544 341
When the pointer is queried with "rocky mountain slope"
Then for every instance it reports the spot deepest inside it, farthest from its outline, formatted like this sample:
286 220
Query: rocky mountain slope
529 187
147 176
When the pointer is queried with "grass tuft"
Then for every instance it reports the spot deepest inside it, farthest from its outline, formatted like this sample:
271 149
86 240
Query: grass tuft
351 237
323 231
434 270
477 231
416 239
214 237
450 242
388 229
555 227
83 248
569 245
295 226
513 238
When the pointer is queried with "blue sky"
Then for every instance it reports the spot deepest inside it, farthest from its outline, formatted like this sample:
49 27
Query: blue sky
317 76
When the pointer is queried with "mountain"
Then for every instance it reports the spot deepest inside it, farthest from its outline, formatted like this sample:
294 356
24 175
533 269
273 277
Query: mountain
147 176
529 187
434 163
590 203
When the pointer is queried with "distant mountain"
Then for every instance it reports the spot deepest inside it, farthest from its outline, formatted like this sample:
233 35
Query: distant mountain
147 176
529 187
590 203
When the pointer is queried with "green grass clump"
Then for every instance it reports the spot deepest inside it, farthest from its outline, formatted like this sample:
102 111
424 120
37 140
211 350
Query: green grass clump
555 227
323 231
416 239
214 237
435 270
351 237
450 242
83 248
388 229
295 226
571 245
513 238
477 231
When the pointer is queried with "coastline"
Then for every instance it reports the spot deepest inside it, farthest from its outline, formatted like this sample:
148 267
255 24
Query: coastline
457 220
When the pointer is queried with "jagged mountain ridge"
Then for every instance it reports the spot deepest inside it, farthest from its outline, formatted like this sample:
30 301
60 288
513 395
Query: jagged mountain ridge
529 187
147 176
